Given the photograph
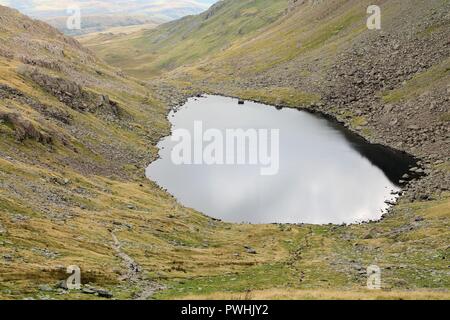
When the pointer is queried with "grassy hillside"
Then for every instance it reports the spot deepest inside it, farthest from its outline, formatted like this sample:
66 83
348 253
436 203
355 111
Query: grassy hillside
76 136
94 24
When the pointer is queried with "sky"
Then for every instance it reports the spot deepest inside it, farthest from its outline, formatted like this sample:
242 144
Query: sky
52 8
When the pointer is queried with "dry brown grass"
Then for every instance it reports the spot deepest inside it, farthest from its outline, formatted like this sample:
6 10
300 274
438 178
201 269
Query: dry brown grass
287 294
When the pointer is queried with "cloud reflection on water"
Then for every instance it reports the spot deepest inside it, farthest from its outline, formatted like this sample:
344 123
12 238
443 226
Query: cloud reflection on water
323 178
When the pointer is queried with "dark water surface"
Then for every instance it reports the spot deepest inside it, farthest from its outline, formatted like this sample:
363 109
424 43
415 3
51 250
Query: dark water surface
326 173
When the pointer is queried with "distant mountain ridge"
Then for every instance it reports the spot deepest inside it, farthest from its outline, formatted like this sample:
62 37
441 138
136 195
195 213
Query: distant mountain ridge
101 15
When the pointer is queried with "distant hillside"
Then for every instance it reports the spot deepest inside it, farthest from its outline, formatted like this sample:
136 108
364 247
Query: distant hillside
105 23
255 34
73 131
104 14
189 39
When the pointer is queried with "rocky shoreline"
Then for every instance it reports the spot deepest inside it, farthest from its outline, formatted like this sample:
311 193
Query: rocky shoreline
421 183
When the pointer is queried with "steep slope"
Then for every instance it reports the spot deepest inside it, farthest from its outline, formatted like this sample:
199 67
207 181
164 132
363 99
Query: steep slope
149 53
389 85
76 135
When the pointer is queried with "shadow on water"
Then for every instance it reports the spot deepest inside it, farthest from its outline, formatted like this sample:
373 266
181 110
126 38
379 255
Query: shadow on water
393 163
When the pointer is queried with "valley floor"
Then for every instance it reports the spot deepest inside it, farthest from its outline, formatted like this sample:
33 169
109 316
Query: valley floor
76 136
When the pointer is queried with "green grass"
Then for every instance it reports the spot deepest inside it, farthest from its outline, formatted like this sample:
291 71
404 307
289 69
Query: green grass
420 83
279 96
445 117
320 261
188 40
253 278
242 29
